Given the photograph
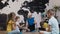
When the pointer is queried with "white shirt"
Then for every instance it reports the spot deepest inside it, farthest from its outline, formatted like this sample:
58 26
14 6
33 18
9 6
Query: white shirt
17 28
21 19
54 25
37 18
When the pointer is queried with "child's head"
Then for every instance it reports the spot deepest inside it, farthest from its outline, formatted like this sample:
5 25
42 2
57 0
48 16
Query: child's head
17 18
12 16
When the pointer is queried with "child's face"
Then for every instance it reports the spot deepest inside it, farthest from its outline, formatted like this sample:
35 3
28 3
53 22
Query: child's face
30 16
48 15
13 16
18 19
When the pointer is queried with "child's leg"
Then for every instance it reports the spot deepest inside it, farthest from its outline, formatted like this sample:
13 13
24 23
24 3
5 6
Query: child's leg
44 32
41 32
14 32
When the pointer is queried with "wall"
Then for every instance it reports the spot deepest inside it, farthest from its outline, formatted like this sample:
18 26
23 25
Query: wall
53 3
15 6
58 15
12 7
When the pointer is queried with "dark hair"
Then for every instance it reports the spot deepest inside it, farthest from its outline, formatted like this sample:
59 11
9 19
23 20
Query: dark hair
25 2
10 16
0 0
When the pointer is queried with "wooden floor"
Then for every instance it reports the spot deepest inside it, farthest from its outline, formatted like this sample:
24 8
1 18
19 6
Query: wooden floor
31 33
4 32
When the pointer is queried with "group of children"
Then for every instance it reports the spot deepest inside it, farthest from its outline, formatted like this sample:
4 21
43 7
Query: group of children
15 27
13 24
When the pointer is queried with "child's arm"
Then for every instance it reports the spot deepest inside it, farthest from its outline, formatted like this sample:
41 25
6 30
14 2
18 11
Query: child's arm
49 28
14 26
35 22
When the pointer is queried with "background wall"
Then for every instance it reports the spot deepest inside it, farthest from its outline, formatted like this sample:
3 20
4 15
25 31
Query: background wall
15 6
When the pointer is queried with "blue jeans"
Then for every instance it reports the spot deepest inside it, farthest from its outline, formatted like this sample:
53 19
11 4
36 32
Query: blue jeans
20 32
14 32
33 31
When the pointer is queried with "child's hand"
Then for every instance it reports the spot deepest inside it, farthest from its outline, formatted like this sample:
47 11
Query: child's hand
28 29
22 25
35 22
